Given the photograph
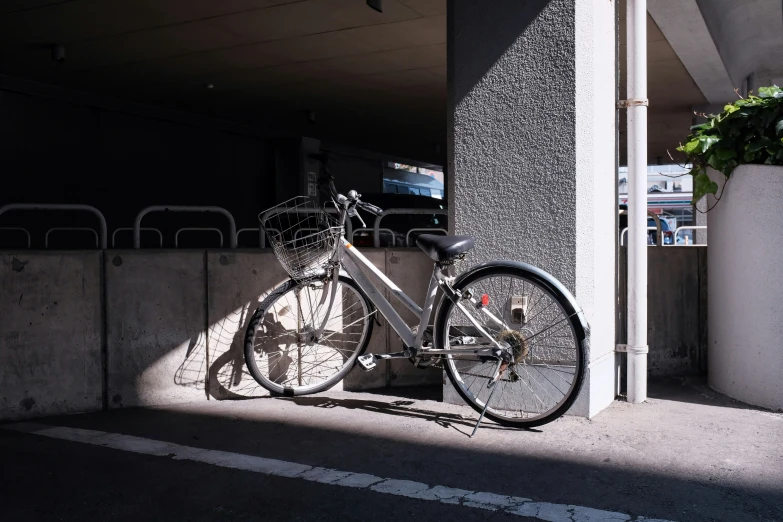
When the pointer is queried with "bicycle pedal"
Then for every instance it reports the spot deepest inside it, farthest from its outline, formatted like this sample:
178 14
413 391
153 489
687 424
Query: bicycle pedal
367 362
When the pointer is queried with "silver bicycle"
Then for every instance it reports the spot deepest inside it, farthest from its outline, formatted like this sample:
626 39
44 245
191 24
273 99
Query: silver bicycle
511 338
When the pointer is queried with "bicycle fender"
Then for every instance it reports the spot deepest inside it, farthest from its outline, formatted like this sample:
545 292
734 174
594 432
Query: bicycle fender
537 274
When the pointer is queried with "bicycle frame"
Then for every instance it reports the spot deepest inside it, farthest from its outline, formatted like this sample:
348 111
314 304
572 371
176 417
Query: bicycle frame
351 259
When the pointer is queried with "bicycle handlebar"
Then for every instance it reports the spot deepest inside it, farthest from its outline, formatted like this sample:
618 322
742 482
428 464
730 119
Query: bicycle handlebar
367 207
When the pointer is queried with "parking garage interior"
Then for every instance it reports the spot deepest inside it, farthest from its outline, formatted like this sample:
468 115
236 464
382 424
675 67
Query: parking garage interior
122 105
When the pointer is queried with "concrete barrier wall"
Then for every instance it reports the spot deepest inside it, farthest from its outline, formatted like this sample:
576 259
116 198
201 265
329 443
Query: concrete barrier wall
50 333
173 328
175 323
677 309
156 317
237 282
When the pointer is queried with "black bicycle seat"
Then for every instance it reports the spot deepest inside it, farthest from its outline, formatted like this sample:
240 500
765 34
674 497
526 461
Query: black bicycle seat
444 248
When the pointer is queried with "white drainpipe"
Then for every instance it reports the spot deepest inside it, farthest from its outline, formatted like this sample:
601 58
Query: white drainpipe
637 200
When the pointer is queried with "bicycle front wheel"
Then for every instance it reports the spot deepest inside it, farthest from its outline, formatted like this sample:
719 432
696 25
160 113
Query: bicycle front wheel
283 350
532 314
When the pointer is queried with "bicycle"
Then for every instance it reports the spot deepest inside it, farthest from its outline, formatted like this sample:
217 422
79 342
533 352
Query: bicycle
501 325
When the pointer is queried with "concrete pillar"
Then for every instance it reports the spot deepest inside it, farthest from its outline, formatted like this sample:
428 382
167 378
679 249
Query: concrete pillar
532 151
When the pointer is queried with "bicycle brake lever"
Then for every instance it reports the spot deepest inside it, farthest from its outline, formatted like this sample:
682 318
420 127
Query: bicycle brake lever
356 215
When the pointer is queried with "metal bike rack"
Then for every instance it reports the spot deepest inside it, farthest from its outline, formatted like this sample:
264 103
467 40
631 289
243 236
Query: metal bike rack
659 233
257 230
20 229
408 211
69 229
184 208
695 227
622 235
274 212
197 229
430 230
130 229
390 231
58 206
657 227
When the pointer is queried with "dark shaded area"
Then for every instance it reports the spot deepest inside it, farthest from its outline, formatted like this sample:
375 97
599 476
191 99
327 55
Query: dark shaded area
479 464
468 64
74 487
59 152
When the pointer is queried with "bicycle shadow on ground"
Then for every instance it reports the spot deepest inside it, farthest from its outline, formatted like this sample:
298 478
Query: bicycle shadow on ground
463 424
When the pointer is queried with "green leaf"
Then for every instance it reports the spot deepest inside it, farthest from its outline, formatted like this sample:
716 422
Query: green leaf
757 145
703 185
691 146
714 162
707 142
728 109
779 127
724 154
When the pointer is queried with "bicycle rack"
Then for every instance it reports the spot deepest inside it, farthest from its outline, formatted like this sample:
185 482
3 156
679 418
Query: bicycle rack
130 229
58 206
657 228
430 230
409 211
274 212
20 229
69 229
184 208
387 230
258 230
695 227
622 234
197 229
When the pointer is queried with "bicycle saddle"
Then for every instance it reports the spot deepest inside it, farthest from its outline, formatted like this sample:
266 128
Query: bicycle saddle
444 248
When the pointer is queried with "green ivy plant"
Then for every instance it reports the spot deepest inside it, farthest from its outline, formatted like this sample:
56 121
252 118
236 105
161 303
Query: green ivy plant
750 130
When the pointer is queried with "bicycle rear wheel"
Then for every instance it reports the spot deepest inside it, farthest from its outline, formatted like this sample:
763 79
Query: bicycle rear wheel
281 350
547 370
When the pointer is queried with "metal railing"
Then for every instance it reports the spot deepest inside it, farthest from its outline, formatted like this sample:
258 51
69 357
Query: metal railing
382 230
20 229
658 228
404 211
275 211
694 227
69 229
184 208
198 229
130 229
57 206
625 230
426 230
257 230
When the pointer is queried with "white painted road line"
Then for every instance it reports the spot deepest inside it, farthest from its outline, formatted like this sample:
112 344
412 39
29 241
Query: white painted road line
280 468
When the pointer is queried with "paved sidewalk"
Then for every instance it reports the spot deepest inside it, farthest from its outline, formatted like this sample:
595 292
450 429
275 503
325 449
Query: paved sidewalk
688 454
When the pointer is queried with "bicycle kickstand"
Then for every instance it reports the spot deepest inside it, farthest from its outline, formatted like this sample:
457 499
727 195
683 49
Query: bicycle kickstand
492 384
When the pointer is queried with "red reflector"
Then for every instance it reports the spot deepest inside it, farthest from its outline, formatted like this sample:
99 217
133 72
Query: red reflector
484 300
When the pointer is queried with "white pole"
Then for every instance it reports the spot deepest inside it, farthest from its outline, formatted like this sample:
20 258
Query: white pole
636 25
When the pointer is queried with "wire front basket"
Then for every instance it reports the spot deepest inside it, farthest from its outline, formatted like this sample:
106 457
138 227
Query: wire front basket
302 234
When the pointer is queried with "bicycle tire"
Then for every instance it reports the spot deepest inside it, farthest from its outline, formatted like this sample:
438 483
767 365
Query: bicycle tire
258 321
548 286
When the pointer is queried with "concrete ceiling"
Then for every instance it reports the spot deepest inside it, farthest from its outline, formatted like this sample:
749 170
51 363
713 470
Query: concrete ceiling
363 73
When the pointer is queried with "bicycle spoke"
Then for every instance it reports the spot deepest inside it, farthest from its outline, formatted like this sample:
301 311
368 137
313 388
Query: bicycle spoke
531 387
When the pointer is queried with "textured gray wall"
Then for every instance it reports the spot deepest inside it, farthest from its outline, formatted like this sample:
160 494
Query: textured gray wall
531 150
512 156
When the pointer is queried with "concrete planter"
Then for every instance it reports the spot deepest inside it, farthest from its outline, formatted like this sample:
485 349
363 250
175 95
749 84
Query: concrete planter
745 296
